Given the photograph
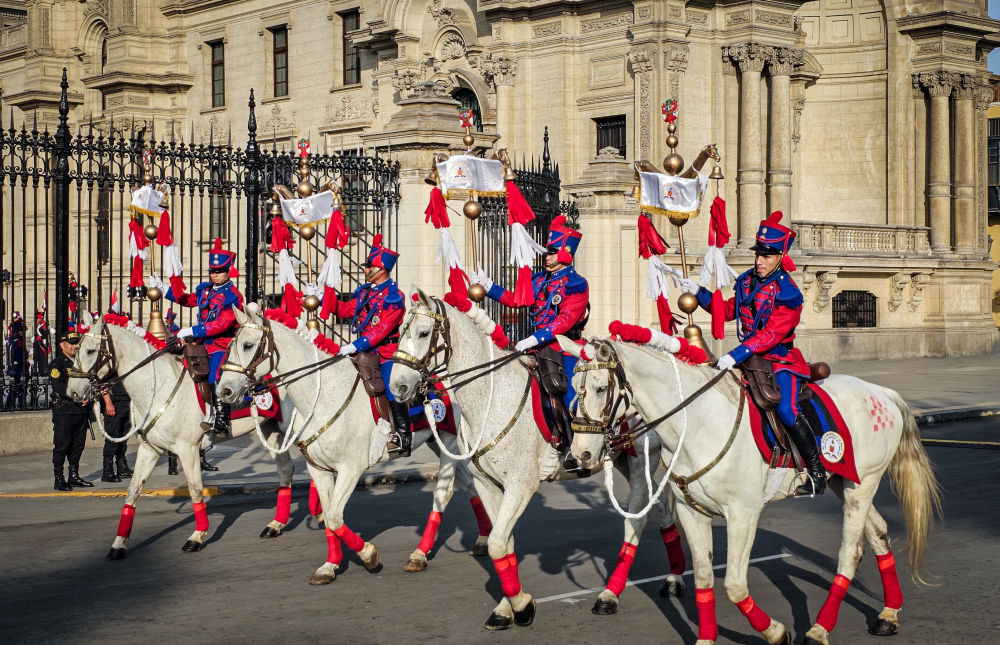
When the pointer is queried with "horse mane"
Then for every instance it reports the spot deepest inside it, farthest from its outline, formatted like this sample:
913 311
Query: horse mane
728 386
478 316
328 345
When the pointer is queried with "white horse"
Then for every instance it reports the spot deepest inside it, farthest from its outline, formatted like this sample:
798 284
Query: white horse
736 487
167 417
341 435
510 454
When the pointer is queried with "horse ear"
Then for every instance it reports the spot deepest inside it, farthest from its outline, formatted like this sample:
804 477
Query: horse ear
422 297
241 318
86 318
569 346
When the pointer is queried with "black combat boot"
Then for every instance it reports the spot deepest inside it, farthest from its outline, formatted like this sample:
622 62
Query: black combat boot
222 414
171 463
108 475
205 466
75 479
124 472
61 483
402 438
801 433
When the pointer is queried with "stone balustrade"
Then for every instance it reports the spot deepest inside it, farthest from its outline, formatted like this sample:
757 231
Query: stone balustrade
867 239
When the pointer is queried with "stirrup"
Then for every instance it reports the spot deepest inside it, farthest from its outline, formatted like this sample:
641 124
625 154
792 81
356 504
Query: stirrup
395 444
810 488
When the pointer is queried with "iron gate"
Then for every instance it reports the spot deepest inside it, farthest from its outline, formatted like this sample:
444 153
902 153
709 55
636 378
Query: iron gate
64 223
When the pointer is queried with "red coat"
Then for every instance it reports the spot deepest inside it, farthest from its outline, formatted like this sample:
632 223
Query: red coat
376 311
216 313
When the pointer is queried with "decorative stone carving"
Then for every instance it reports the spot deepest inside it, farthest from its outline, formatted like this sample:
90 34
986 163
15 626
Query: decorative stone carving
772 18
918 283
404 80
967 86
696 17
738 18
644 12
928 48
675 58
374 100
861 239
97 7
214 131
44 24
452 47
643 60
128 12
749 57
276 121
918 89
606 22
897 286
824 280
784 60
798 105
806 282
499 70
547 29
644 120
442 15
938 83
348 110
676 12
960 49
609 152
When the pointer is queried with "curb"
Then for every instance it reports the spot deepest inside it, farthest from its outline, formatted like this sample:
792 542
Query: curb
956 414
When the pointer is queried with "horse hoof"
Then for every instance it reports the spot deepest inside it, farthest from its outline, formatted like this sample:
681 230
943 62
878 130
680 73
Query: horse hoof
268 532
191 546
322 578
370 561
499 622
672 588
526 616
115 554
604 607
413 565
883 627
479 550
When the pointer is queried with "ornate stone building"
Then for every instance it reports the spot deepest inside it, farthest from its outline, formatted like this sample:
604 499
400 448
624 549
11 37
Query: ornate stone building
863 121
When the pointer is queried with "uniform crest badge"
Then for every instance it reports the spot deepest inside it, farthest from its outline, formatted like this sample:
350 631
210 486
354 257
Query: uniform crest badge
831 445
264 400
556 299
439 409
54 373
375 319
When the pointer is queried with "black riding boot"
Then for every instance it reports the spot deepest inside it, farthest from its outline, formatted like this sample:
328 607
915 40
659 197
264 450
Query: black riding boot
204 462
108 475
75 479
402 437
801 433
171 463
61 484
222 414
124 472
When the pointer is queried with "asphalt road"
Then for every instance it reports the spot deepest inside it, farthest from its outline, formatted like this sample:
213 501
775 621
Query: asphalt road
57 587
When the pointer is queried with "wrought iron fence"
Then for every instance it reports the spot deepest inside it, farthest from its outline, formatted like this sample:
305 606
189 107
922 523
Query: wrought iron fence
64 214
540 184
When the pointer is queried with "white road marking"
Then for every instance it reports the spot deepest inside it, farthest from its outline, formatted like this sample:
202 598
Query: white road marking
632 583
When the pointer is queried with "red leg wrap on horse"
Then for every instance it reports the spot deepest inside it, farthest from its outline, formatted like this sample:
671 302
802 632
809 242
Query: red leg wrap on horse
284 508
675 552
482 517
200 516
125 523
430 532
708 629
626 556
350 538
827 618
890 582
314 506
507 570
758 618
333 554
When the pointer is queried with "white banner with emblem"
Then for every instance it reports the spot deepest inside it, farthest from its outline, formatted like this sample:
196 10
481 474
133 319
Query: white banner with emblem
469 173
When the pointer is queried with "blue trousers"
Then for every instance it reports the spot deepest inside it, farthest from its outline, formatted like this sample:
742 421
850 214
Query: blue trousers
215 361
386 369
788 408
569 362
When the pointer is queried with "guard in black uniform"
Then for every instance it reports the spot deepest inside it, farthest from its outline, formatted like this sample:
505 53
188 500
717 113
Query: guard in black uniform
69 417
117 424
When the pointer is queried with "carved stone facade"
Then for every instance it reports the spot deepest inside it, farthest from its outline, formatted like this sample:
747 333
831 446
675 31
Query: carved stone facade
863 121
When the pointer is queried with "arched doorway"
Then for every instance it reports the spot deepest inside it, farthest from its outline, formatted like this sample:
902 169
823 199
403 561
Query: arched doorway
469 101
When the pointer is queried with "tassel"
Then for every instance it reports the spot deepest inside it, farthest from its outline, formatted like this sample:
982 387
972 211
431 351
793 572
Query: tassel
718 315
787 263
281 238
164 236
458 281
563 256
518 210
329 274
437 210
233 271
650 241
177 286
668 321
523 293
337 235
135 277
291 301
329 302
718 229
448 253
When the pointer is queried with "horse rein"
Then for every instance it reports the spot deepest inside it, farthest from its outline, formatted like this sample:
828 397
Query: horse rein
107 356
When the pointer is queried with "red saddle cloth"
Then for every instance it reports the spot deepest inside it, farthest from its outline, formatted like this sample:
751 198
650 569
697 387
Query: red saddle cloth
268 405
444 418
538 410
832 435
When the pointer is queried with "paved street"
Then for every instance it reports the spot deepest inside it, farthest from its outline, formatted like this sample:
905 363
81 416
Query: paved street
59 589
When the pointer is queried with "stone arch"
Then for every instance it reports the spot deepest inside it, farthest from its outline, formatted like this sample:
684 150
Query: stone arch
93 32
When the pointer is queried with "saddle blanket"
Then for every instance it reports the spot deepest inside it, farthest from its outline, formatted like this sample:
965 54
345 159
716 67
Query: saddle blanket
444 418
541 408
268 405
832 435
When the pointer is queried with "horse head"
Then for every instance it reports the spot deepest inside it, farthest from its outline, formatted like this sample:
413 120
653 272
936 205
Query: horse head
243 367
419 354
93 361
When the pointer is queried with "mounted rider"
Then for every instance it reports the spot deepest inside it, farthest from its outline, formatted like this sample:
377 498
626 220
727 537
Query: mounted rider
560 307
208 341
376 310
768 304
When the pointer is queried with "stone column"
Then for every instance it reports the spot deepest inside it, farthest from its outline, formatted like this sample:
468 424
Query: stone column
965 163
643 60
919 155
939 85
750 58
983 99
502 72
779 185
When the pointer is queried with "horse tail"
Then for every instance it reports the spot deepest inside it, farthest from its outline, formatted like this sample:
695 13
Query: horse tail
913 480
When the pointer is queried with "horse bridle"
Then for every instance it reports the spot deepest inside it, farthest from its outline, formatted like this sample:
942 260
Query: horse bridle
440 344
267 351
609 412
106 357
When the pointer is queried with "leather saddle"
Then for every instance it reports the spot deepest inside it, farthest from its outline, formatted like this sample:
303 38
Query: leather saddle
758 379
547 369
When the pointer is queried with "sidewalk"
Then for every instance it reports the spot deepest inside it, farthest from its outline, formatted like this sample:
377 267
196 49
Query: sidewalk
938 390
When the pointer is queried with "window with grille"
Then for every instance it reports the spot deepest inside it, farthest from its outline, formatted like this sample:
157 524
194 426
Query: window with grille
352 57
280 62
218 74
611 133
469 101
993 153
854 309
